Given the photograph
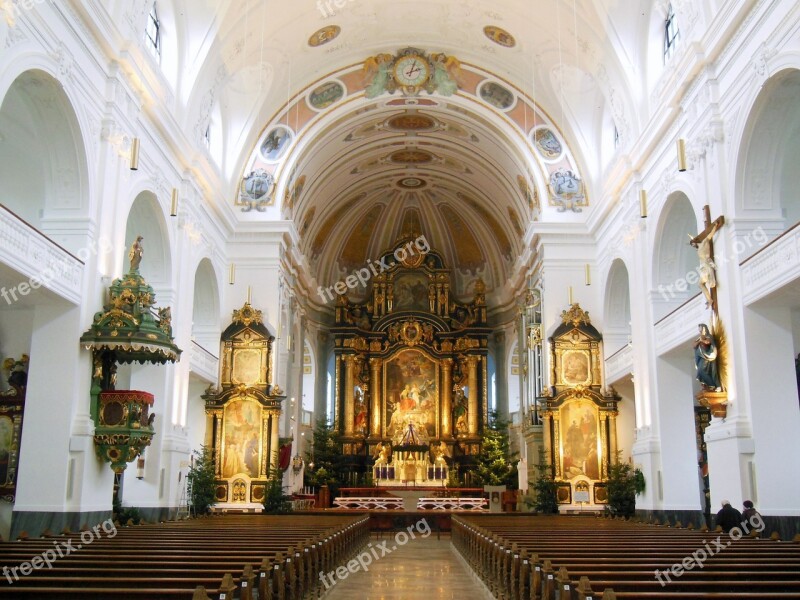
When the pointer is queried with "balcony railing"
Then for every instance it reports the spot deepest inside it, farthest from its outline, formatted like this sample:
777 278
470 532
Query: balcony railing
40 261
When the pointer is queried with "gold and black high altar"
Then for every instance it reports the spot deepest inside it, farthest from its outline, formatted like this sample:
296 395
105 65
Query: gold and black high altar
411 363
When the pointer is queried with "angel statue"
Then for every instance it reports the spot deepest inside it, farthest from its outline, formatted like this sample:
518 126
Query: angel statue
381 454
376 74
135 253
445 74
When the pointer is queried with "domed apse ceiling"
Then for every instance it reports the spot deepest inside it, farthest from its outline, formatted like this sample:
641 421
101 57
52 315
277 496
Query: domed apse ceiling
344 135
454 165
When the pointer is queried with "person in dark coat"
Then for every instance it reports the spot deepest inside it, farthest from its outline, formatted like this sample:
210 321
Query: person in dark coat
728 517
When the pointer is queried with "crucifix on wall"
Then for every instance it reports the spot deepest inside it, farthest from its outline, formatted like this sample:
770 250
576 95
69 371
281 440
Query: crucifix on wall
704 242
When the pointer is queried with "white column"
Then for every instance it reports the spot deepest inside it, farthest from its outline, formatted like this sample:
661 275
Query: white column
58 470
679 487
761 467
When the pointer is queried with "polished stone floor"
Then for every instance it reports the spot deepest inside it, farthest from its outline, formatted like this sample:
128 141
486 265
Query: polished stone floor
424 568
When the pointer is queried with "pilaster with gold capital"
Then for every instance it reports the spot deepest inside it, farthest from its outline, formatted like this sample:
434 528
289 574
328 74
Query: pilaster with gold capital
447 398
349 385
472 417
376 366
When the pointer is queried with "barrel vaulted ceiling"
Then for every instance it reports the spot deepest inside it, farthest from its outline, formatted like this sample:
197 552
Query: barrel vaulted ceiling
462 169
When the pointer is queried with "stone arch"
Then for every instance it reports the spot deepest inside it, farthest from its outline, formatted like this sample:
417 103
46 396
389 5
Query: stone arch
206 328
769 152
43 162
674 260
617 307
146 218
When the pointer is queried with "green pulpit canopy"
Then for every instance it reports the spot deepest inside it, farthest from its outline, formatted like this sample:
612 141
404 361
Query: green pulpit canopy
128 328
126 331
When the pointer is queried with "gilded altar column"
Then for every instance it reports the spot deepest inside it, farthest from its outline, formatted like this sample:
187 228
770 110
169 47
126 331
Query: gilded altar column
349 365
472 363
375 391
208 440
274 434
547 439
218 442
612 437
447 398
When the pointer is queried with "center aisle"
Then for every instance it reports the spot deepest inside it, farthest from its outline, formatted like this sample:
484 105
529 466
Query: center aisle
424 568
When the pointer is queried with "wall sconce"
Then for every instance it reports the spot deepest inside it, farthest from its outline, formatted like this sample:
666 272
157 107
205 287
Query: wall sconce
681 155
134 154
232 274
140 467
173 209
587 275
643 204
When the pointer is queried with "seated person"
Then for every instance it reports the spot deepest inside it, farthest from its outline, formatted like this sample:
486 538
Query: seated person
750 514
728 517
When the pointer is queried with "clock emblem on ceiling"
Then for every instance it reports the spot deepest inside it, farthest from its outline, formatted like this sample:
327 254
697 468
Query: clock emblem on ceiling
411 71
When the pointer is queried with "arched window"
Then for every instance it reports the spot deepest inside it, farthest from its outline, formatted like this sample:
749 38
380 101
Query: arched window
671 34
152 33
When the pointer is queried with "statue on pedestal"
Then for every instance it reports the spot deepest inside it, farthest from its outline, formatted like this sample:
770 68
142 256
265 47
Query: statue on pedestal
705 360
135 253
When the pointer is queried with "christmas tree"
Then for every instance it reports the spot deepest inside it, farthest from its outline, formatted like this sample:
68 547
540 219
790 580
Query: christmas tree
494 463
326 458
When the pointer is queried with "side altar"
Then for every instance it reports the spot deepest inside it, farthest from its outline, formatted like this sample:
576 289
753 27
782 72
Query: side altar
243 414
411 371
579 414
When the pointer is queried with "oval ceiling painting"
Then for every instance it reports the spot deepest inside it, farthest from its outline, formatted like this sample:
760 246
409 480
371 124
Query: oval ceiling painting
411 156
411 183
547 143
255 186
411 122
325 95
324 35
496 95
275 144
499 36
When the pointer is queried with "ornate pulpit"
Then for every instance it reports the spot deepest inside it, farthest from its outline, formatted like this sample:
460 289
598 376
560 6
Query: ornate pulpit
579 415
127 330
411 371
243 415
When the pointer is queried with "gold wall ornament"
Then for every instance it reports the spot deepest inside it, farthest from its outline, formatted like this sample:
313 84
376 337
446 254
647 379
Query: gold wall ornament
247 315
575 315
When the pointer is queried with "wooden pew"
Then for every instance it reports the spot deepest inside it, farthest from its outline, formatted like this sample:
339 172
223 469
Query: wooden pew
175 559
515 556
